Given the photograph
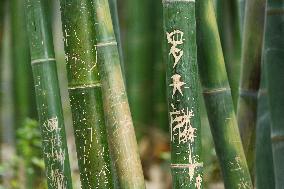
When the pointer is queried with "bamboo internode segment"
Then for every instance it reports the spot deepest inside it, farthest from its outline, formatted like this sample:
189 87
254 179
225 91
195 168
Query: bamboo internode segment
219 104
250 77
183 93
121 135
229 29
273 61
86 94
49 105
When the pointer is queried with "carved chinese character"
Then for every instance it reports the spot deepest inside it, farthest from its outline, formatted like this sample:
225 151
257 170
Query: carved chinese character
175 38
177 84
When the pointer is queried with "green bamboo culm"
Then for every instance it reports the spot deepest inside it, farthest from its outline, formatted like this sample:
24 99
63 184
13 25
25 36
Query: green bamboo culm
250 77
218 100
22 80
242 5
139 62
182 93
2 18
85 94
264 158
119 124
229 31
116 26
273 60
49 105
160 117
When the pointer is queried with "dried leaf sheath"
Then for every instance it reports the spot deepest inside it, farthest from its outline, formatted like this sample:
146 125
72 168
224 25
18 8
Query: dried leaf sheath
48 95
85 94
182 93
218 100
119 124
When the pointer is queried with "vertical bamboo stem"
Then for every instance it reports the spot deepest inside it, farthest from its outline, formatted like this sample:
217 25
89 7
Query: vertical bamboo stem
85 94
264 157
160 96
139 61
218 100
273 60
120 128
182 93
250 76
229 30
48 95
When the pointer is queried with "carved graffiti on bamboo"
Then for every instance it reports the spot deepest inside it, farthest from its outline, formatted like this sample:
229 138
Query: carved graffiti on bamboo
86 136
198 182
57 179
177 84
175 38
181 125
193 164
236 166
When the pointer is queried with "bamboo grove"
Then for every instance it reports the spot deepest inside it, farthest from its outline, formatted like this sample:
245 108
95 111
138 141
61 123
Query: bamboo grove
156 94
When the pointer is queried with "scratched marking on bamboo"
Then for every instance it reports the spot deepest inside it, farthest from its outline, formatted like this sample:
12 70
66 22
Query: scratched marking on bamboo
177 84
175 38
56 156
236 167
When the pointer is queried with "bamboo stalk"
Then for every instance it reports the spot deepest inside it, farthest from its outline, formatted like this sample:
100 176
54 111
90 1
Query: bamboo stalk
85 94
2 19
229 31
264 157
160 95
182 93
250 77
22 80
273 59
49 105
242 5
120 128
139 62
218 101
115 21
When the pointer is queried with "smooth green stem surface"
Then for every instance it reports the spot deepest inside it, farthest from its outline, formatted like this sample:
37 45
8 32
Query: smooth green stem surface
116 26
49 105
182 93
22 79
122 140
264 157
273 60
86 94
229 30
160 118
250 77
218 100
139 50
